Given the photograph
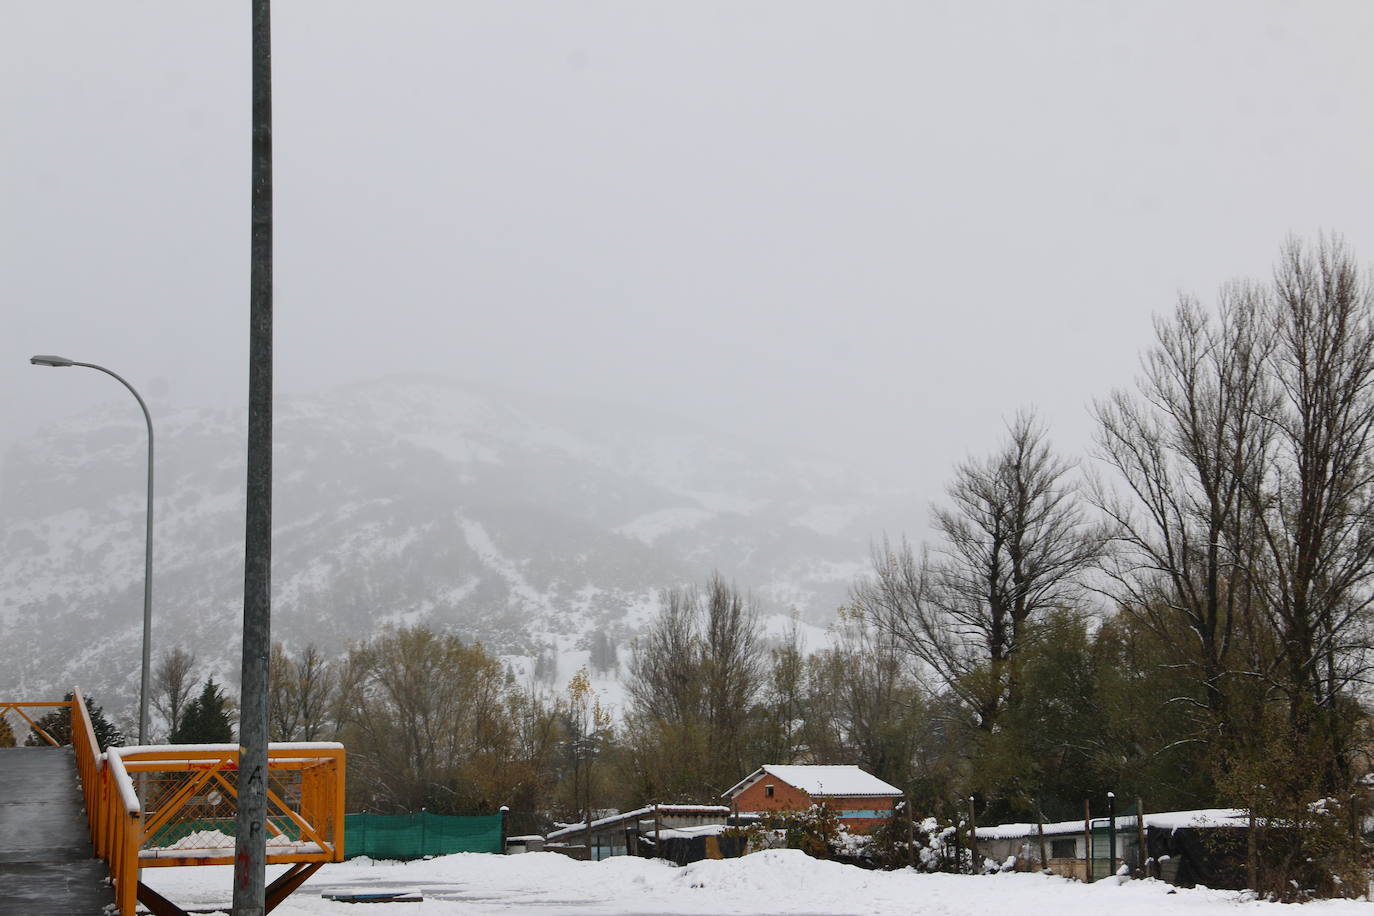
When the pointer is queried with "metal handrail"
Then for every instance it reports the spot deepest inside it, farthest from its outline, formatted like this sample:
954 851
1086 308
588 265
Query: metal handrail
115 814
17 706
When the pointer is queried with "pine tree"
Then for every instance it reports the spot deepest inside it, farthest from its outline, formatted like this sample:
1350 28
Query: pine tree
6 733
206 718
546 665
58 723
603 657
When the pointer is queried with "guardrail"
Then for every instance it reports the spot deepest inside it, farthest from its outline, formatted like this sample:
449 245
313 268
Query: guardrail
176 805
8 707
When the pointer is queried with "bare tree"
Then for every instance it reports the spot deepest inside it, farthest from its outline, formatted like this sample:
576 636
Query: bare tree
587 728
300 694
1189 445
282 712
693 679
1013 545
426 718
784 700
1318 507
731 668
863 705
665 682
173 684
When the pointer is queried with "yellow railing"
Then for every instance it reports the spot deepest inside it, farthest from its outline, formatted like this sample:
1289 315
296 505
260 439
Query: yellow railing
176 805
7 707
117 821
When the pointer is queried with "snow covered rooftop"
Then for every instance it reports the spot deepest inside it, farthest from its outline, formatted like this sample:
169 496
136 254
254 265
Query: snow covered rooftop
1166 820
821 781
574 830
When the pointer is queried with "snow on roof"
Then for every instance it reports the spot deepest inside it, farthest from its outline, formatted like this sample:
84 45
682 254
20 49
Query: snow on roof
1164 820
669 833
304 746
821 781
646 811
1203 817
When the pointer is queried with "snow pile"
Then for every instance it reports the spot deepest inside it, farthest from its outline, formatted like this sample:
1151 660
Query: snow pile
768 883
202 839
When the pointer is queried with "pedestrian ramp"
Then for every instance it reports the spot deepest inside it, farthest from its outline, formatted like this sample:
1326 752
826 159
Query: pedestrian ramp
163 807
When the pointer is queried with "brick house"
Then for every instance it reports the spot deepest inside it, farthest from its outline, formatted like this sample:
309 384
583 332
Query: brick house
862 800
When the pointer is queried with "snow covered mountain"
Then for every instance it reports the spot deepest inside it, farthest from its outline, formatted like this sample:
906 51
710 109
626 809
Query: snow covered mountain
529 523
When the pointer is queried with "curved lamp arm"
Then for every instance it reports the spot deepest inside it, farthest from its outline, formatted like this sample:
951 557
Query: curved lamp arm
62 362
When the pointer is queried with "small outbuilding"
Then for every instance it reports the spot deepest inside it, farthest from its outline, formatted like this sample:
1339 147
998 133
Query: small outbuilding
862 800
633 833
1182 847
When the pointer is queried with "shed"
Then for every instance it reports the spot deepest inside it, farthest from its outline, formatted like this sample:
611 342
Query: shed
1067 853
619 834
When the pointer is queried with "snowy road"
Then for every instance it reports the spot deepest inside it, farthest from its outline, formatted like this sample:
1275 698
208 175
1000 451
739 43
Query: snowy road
782 882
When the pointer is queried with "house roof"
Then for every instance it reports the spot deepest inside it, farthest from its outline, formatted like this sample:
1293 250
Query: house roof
1168 820
821 781
646 812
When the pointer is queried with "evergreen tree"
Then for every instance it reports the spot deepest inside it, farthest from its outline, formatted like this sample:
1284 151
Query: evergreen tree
206 719
6 733
604 658
58 723
546 665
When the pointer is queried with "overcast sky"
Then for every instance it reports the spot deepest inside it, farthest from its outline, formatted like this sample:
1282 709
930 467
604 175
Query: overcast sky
874 229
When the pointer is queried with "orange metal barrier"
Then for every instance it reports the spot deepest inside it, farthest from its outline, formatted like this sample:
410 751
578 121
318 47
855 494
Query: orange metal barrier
184 812
7 707
176 805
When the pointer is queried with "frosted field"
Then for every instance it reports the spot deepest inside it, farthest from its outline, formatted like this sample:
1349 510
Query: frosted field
773 882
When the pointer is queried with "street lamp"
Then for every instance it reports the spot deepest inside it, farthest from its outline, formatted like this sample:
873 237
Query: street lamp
62 362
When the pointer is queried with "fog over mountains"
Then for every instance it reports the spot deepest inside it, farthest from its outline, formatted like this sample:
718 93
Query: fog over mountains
527 522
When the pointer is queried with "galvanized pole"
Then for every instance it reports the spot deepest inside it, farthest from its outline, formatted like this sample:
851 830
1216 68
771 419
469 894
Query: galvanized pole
972 838
1111 832
251 837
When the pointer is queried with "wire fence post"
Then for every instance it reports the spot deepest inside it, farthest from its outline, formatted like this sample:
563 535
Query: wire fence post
1087 842
1040 830
1111 833
974 864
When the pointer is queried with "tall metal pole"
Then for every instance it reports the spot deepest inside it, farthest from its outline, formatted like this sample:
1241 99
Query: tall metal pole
1111 832
250 855
975 864
147 537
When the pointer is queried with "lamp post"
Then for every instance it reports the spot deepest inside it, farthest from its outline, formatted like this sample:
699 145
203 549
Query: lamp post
62 362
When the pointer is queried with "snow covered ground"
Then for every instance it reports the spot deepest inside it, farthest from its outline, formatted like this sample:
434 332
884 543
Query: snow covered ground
766 883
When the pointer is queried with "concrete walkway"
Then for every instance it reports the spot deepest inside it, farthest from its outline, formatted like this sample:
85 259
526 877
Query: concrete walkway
46 862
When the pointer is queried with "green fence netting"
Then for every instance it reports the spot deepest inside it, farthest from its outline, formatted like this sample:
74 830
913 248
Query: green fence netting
414 836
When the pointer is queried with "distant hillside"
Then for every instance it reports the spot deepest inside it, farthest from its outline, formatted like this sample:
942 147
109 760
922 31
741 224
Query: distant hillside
519 521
